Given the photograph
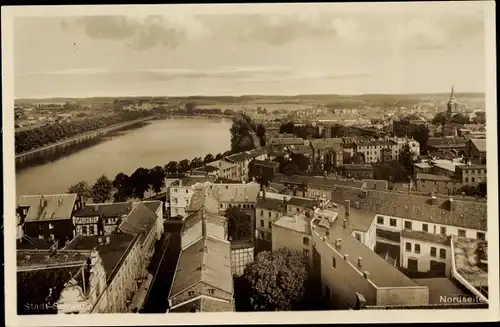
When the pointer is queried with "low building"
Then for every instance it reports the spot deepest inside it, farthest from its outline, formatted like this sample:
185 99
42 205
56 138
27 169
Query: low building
447 143
358 171
293 232
372 150
226 169
100 218
264 168
49 216
470 174
327 152
441 184
476 150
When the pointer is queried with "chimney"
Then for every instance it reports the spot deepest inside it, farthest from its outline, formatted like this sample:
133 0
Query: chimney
59 201
180 182
96 208
42 202
347 205
360 262
452 204
108 239
344 223
338 242
366 274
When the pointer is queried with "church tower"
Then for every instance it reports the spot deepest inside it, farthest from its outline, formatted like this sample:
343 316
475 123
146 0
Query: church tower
452 104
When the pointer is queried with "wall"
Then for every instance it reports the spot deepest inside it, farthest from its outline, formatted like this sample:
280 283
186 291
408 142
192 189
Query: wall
60 229
179 200
240 258
440 187
198 289
432 228
322 192
407 295
287 238
267 218
424 257
369 237
344 280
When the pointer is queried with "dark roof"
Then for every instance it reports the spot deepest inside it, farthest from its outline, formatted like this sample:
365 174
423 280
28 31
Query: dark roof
106 210
222 180
140 221
112 254
480 144
205 168
266 163
208 261
436 141
29 259
270 204
303 202
467 167
277 187
239 157
48 207
204 304
471 215
323 144
427 237
315 181
376 184
357 167
29 243
153 205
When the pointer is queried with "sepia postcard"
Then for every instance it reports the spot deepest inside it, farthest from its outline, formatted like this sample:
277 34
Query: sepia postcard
250 163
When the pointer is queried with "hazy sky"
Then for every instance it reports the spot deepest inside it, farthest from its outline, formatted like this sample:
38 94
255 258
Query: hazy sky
258 51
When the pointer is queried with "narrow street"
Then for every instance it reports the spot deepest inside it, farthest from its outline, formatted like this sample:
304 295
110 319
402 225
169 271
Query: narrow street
162 267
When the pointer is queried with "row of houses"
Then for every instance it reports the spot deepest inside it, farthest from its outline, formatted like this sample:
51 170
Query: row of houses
98 270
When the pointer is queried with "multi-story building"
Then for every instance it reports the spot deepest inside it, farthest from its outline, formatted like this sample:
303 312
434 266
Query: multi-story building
269 208
100 218
264 168
293 232
448 143
471 174
327 152
203 278
226 169
372 150
49 216
476 150
400 143
358 171
243 159
408 125
181 192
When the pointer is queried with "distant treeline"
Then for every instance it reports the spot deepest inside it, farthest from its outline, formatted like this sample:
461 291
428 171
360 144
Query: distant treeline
52 133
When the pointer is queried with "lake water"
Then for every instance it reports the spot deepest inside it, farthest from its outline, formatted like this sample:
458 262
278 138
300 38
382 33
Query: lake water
156 143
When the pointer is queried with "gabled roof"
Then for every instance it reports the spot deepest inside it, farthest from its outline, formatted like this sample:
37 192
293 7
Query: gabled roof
270 204
48 207
153 205
239 157
480 144
140 220
106 210
442 141
208 261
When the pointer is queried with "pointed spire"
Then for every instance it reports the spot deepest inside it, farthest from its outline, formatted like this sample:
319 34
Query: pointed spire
452 94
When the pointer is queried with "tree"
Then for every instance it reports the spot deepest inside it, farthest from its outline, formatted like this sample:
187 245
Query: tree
123 188
406 159
171 167
195 163
460 119
140 182
240 134
208 158
288 128
81 188
239 224
218 156
300 160
157 179
482 189
190 107
480 117
276 280
421 135
439 119
101 190
262 176
261 134
183 166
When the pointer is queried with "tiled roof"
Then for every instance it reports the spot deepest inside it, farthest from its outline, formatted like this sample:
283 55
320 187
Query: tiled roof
239 157
471 215
426 237
201 214
299 223
236 192
106 210
480 144
270 204
358 219
322 144
204 198
208 261
204 304
140 221
433 177
277 187
303 202
112 254
381 272
48 207
29 243
153 205
206 168
436 141
222 164
192 180
29 259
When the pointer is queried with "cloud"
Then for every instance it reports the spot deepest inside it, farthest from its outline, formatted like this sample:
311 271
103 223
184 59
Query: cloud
139 33
271 29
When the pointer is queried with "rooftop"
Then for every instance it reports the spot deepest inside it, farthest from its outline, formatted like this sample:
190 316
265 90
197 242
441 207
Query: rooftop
277 187
357 167
270 204
303 202
204 304
106 210
465 214
153 205
29 243
206 168
266 163
239 157
381 272
208 261
112 254
375 184
471 260
236 192
480 144
48 207
140 221
322 144
446 164
471 167
191 181
32 259
433 177
426 237
222 164
315 181
422 165
440 286
299 223
446 141
200 200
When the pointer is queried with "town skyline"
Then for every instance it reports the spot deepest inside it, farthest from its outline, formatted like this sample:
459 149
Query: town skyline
262 52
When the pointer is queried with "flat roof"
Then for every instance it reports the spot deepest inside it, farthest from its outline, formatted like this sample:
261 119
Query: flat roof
426 237
270 204
29 259
299 223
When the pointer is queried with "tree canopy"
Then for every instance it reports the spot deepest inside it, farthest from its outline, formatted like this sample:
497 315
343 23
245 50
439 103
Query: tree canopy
81 188
276 280
101 191
239 224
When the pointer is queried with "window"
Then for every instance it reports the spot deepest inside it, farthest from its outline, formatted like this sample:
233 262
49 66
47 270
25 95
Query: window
443 230
262 212
211 291
408 247
187 191
461 232
305 241
269 213
91 229
191 293
425 227
297 209
481 236
442 253
473 180
334 262
466 179
358 236
269 224
407 224
261 223
417 248
392 222
84 230
380 220
221 206
305 252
